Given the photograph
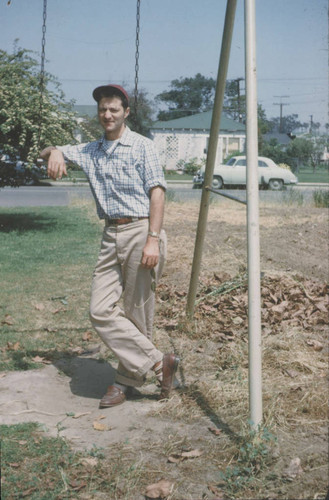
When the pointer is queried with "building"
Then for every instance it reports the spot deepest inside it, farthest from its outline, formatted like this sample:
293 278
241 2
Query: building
188 137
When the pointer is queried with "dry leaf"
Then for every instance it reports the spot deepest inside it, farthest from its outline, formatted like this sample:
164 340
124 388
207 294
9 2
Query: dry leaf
87 336
60 309
40 306
215 430
78 415
90 462
76 350
179 457
159 490
280 308
294 469
8 320
13 347
100 427
237 320
77 486
317 346
28 492
39 359
219 494
192 454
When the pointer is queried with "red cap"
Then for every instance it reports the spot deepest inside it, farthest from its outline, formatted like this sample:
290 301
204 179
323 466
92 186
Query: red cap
105 88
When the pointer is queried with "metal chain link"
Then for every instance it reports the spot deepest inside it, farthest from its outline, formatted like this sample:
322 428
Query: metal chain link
42 69
137 57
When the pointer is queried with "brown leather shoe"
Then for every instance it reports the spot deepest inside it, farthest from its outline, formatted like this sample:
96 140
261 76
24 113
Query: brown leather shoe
113 397
170 363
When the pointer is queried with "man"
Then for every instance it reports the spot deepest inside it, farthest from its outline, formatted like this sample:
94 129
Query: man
128 185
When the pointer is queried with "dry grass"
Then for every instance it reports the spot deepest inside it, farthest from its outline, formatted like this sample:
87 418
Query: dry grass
210 411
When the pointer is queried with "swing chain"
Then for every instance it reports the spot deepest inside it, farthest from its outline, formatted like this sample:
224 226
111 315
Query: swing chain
137 56
42 70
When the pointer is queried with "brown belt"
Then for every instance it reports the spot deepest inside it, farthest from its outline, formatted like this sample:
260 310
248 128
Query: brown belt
123 220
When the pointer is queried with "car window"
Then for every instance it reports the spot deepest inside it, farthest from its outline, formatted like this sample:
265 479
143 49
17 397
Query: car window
241 163
262 163
231 161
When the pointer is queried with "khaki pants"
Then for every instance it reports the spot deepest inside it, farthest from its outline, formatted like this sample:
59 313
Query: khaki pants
126 329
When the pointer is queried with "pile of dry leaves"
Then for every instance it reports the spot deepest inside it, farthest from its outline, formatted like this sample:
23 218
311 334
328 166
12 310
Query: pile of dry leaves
222 305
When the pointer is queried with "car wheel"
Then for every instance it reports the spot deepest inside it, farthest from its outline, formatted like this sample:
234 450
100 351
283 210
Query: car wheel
217 183
275 184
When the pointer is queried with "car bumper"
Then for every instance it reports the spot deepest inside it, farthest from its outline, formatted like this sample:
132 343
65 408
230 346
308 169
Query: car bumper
197 180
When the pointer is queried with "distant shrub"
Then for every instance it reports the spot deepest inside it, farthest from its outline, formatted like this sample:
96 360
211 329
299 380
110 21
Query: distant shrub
321 198
190 166
284 165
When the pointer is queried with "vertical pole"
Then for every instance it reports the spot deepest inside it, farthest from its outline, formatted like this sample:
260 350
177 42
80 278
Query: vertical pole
212 150
254 301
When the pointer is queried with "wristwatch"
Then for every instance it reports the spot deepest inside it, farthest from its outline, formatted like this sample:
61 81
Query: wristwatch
154 234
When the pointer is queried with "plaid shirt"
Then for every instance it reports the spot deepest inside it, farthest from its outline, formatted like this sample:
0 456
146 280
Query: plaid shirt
120 177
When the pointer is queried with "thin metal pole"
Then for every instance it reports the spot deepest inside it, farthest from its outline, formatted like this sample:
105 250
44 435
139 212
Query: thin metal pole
254 301
212 150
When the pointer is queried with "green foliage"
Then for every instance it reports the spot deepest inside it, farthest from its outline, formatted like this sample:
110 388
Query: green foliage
287 124
187 97
140 118
190 166
40 464
272 149
21 118
234 100
253 456
321 198
300 148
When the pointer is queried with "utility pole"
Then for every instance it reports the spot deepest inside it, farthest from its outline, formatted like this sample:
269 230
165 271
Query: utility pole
311 123
281 104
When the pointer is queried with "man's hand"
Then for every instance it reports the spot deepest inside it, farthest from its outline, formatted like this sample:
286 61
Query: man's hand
151 253
56 164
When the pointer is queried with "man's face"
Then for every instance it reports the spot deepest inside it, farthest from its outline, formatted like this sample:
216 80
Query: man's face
111 115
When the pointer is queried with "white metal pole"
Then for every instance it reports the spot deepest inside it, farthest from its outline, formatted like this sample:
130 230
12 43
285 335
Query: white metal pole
254 301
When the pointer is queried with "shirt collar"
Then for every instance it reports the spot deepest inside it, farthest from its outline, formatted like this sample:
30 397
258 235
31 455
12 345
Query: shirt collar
126 139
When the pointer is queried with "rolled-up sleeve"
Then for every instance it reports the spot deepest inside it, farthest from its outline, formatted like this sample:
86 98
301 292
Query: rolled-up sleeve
153 172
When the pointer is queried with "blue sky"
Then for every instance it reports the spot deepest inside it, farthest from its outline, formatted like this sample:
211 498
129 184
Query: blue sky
92 42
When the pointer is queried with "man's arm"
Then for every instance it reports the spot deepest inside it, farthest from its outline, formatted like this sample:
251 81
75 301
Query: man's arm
56 163
151 251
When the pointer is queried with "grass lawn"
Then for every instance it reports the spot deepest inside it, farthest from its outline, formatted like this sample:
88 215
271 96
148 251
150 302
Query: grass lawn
310 176
303 176
47 257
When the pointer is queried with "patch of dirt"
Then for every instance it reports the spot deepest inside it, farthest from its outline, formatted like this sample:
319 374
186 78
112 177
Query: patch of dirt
64 396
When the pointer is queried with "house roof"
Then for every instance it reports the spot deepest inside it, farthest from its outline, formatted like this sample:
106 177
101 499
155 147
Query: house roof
199 121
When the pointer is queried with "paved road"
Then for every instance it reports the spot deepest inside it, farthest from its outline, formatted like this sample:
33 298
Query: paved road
63 194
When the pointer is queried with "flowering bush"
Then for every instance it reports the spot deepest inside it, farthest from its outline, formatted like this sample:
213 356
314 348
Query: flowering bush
284 165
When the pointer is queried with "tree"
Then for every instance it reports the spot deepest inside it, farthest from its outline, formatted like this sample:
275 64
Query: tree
234 101
22 118
140 119
187 96
287 124
301 151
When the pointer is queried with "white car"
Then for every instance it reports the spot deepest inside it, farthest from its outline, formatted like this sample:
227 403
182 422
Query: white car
234 173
